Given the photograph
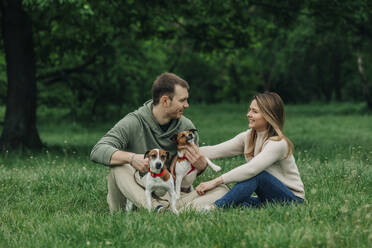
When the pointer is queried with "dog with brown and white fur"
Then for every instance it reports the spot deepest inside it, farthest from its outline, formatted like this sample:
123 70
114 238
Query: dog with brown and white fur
158 178
185 171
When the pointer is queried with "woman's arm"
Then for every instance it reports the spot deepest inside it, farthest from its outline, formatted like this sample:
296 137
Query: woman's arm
205 186
196 155
272 152
232 147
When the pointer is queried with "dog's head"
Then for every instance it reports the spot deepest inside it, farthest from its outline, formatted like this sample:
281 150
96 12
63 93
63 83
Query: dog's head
157 159
185 137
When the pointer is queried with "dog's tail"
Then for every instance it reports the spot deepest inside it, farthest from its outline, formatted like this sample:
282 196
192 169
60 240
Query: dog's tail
214 167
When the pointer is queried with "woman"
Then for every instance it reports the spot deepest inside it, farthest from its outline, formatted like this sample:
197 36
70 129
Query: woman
270 169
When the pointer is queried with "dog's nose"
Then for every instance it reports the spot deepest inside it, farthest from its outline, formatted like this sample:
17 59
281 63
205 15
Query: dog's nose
158 165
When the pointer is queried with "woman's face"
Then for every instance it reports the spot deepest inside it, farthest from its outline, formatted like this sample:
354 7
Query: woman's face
255 117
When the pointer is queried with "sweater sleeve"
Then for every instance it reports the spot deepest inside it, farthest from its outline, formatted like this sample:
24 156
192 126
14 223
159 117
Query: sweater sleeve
114 140
272 152
232 147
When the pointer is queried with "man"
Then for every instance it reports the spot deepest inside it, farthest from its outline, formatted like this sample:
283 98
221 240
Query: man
151 126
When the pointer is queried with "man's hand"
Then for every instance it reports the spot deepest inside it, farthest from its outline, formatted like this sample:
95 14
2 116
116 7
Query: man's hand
205 186
140 163
195 157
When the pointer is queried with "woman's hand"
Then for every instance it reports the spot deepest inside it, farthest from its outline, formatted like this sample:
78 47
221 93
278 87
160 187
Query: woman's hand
205 186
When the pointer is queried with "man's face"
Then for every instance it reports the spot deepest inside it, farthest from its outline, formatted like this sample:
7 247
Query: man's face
178 103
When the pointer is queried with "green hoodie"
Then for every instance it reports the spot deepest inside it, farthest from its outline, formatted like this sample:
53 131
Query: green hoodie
139 132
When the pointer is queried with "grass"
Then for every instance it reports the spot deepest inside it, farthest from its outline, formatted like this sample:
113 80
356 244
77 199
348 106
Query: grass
57 198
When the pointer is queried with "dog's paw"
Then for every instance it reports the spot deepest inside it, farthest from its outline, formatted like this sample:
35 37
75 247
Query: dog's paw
217 169
129 206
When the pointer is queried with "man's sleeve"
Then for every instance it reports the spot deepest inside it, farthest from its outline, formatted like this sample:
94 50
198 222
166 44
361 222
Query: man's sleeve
115 139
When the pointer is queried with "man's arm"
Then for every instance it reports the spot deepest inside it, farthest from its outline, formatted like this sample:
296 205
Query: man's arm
110 149
136 160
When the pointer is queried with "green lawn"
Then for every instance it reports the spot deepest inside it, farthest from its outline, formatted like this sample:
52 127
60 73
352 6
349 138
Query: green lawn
57 198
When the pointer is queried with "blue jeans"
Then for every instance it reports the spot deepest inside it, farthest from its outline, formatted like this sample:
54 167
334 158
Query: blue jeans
267 187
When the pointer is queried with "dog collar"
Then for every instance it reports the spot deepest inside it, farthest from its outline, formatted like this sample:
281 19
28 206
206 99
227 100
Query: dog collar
192 167
157 175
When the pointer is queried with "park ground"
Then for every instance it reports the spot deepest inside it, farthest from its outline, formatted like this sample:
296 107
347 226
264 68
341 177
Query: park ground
57 197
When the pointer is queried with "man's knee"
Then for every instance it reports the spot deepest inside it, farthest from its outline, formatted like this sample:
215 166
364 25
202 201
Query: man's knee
122 170
117 178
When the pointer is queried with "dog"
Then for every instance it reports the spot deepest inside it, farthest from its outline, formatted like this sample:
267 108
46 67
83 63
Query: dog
185 171
157 179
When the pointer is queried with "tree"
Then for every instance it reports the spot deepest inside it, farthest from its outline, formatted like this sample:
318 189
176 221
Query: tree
101 50
62 28
354 18
71 37
20 118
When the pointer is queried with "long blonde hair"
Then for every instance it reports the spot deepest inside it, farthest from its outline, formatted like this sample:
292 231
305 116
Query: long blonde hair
272 108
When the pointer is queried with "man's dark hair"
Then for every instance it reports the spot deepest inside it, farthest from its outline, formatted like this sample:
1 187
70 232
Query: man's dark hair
164 85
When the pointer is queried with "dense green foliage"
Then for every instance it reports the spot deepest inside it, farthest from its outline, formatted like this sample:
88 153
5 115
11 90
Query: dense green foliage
95 55
57 198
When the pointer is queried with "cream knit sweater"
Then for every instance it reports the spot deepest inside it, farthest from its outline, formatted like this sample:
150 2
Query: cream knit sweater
272 158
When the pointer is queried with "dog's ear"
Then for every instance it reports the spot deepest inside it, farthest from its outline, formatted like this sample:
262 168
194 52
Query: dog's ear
146 154
193 130
174 138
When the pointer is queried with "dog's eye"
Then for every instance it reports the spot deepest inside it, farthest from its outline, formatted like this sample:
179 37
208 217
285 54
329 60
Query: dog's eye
182 135
162 157
153 156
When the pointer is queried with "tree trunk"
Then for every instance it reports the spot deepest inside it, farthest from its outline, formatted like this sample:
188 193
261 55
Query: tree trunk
20 118
337 75
367 88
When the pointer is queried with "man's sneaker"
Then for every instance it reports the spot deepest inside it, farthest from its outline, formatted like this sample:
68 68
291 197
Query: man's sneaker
160 209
